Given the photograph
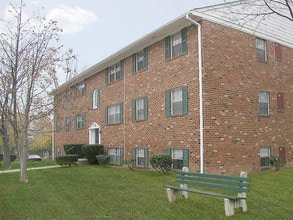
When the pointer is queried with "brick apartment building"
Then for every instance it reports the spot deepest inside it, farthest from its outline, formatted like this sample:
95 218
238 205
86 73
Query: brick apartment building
214 93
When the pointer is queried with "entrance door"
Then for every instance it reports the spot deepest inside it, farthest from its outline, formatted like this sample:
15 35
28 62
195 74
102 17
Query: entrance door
282 155
94 134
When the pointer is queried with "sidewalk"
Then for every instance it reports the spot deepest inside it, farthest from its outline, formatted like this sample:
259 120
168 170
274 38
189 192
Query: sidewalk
33 168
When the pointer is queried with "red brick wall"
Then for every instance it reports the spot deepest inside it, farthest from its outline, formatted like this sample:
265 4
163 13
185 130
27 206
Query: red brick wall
233 133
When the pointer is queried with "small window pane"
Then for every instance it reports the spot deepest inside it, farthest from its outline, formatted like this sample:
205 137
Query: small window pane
176 102
261 49
265 156
176 44
263 103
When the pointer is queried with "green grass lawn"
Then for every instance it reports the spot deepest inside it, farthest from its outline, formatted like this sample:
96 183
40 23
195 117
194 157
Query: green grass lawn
95 192
16 165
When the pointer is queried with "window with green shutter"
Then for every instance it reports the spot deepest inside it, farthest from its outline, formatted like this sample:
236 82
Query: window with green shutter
95 99
176 102
140 60
114 114
116 156
180 158
140 109
115 72
141 157
176 45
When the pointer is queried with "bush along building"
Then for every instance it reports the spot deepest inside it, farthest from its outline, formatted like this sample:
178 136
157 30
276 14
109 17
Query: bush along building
213 91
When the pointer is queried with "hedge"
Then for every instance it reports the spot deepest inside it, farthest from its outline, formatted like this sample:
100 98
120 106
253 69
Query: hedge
91 151
67 160
70 149
161 162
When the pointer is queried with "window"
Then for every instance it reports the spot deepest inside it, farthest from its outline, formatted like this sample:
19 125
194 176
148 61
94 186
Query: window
264 103
278 51
265 153
280 101
180 158
80 121
58 125
140 60
95 98
68 123
115 72
141 157
176 45
140 109
261 50
114 114
176 101
116 156
68 95
81 89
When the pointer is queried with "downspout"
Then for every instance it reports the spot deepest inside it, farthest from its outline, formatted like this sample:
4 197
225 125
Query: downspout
124 115
200 90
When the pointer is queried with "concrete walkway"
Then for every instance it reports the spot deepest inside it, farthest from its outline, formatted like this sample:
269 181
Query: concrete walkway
33 168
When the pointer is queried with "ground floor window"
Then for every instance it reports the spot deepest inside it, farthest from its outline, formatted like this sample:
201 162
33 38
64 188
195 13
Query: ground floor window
180 158
116 156
141 157
265 153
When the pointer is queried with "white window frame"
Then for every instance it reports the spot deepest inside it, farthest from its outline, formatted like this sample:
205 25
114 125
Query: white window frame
113 114
95 100
177 155
265 154
264 100
114 154
92 134
139 109
68 123
176 100
139 157
80 121
176 44
261 48
114 73
81 89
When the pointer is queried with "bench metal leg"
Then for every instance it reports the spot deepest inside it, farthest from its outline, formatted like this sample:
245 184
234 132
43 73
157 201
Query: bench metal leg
231 204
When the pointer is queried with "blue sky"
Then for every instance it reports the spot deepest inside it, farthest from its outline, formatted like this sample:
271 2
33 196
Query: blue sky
96 29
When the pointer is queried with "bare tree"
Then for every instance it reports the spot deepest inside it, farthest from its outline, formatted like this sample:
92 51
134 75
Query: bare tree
31 55
263 8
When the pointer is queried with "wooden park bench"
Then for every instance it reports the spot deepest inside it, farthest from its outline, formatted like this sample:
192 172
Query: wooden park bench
212 185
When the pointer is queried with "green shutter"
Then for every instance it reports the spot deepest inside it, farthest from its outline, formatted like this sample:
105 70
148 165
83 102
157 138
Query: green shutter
145 61
91 100
121 156
167 48
133 63
134 156
106 115
145 103
185 157
185 100
133 110
184 40
146 158
168 103
121 69
99 98
121 112
106 76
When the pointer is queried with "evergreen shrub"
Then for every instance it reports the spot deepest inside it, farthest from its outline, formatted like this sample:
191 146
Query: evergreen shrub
70 149
91 151
67 160
161 162
103 159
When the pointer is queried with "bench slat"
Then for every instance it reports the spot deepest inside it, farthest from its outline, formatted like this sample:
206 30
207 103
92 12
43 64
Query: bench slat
235 178
216 183
205 193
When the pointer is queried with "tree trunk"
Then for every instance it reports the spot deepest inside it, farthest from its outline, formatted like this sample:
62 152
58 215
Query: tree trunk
6 152
22 158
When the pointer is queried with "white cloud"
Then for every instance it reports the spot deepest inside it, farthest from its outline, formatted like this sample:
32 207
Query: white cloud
72 20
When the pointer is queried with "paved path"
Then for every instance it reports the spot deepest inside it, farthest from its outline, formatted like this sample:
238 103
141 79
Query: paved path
33 168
